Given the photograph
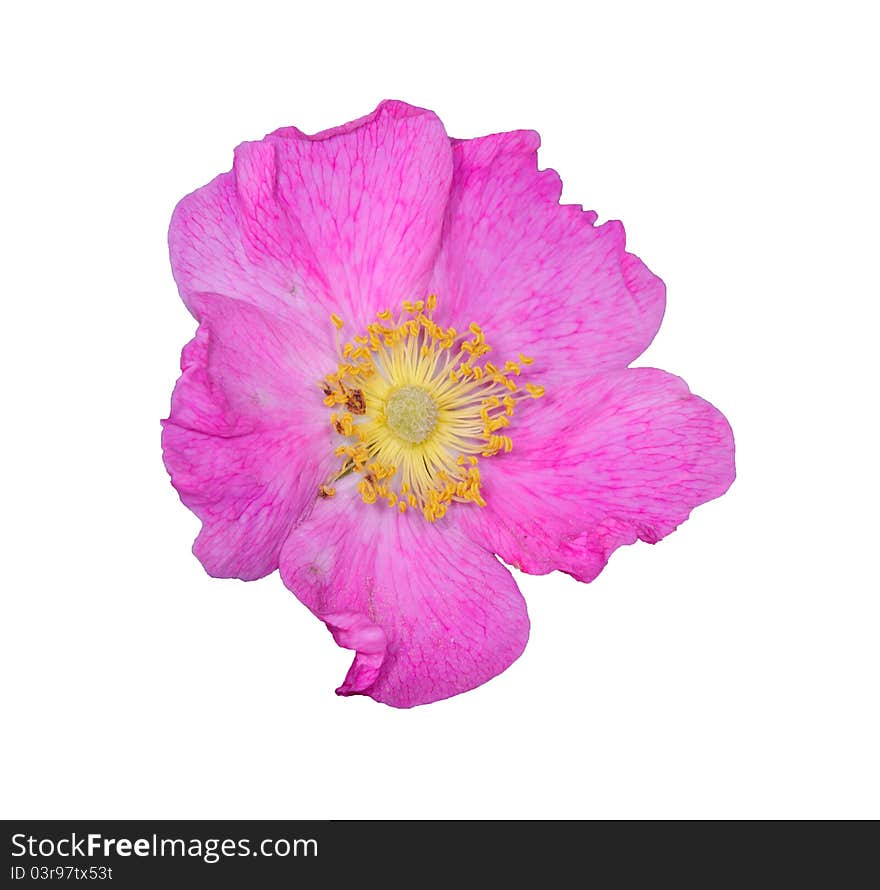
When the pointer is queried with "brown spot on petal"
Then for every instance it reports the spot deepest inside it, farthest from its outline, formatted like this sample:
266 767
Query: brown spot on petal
355 402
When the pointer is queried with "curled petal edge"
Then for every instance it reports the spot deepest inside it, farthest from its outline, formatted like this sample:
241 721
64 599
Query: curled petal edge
354 630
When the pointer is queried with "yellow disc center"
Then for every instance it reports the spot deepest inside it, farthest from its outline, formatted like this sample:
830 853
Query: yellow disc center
411 412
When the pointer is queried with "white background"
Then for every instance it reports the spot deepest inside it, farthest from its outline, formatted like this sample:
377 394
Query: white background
730 671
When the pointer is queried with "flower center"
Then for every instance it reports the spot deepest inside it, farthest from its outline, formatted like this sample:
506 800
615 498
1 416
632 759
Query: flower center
419 410
411 412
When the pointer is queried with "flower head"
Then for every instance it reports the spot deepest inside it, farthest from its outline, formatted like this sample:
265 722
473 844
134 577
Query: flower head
410 358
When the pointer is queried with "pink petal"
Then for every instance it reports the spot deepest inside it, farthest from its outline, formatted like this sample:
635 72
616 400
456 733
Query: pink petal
540 278
354 630
429 613
620 457
347 221
248 440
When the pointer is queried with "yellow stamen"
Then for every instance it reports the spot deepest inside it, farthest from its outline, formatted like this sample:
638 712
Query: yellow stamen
419 411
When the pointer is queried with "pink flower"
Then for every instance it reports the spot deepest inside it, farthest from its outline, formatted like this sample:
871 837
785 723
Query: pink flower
410 357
